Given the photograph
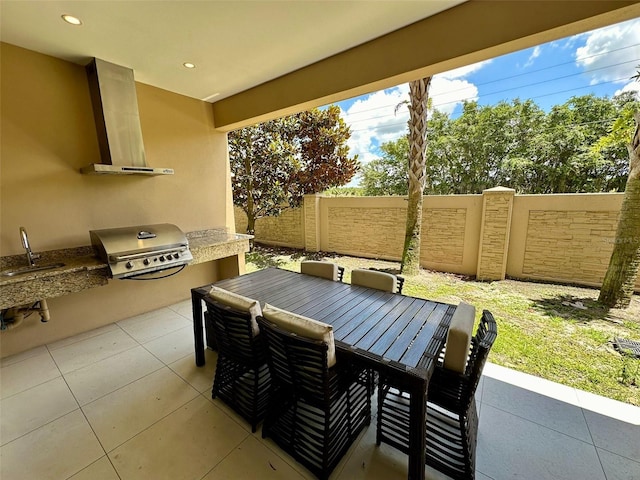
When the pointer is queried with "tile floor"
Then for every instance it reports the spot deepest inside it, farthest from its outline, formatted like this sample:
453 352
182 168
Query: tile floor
127 402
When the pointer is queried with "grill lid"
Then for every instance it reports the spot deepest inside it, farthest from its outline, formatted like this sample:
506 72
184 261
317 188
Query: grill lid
135 250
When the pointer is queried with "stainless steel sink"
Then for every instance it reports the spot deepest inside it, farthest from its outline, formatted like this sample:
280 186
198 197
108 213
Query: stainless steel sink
30 269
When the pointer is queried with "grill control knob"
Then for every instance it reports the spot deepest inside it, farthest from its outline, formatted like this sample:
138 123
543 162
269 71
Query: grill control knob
162 258
176 255
129 265
146 261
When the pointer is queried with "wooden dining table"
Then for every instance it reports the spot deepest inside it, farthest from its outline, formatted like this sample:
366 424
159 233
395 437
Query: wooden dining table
397 335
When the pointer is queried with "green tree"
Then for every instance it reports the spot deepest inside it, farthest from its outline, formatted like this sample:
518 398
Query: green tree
609 152
516 144
275 163
486 142
344 192
568 133
388 175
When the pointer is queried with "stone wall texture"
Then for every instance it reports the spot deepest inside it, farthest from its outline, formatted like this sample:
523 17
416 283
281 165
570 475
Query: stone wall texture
569 245
285 230
443 234
368 232
565 238
494 239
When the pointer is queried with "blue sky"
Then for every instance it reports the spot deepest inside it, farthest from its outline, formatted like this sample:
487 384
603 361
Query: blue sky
599 62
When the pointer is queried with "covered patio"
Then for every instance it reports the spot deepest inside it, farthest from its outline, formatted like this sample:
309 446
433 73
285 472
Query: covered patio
127 401
110 389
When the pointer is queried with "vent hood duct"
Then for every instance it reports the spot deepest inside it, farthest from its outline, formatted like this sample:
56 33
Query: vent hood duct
115 109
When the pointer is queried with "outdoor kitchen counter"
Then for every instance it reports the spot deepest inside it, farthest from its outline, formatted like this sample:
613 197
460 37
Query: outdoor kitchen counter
83 270
213 244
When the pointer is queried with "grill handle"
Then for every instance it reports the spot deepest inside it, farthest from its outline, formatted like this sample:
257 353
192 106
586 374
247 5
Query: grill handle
143 234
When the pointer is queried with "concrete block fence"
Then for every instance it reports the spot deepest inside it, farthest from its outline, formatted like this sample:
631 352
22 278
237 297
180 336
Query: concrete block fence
564 238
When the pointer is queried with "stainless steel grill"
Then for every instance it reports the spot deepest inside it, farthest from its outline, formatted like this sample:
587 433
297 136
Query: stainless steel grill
132 251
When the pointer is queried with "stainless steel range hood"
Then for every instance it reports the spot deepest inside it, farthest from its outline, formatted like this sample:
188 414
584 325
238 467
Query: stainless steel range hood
115 109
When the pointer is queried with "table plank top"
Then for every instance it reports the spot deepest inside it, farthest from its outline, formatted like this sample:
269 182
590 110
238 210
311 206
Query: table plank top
391 328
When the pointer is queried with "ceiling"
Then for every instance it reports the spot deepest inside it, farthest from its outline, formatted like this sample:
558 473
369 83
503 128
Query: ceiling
235 45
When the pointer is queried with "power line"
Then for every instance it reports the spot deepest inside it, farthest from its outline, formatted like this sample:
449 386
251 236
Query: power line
527 73
500 91
382 127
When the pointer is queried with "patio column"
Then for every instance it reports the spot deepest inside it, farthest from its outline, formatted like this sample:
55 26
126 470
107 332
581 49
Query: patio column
497 207
311 219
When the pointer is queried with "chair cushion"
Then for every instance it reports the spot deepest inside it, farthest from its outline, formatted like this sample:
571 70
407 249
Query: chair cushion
459 338
304 327
320 269
372 279
239 303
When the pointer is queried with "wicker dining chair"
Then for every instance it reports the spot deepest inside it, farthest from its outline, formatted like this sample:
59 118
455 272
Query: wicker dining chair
452 419
316 412
327 270
242 379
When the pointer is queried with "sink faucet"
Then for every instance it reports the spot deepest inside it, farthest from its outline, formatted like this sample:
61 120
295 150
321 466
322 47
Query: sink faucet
31 257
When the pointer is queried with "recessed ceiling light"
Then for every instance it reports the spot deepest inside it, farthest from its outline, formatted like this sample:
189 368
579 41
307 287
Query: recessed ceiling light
71 19
189 65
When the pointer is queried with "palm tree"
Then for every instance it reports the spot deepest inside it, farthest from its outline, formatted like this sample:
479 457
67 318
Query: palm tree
619 281
418 104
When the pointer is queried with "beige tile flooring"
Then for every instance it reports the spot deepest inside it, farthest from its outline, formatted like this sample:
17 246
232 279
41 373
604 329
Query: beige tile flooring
127 402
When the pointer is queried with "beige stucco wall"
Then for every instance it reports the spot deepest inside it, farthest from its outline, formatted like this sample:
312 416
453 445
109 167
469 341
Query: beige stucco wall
374 227
363 226
562 238
565 238
285 230
48 134
494 233
450 233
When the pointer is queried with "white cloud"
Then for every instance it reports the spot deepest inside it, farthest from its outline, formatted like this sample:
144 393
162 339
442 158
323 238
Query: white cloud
448 93
608 53
534 54
373 121
629 87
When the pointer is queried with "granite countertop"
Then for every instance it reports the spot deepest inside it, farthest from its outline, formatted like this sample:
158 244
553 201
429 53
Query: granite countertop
82 269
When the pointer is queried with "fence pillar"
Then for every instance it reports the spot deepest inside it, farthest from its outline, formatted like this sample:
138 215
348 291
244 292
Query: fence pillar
311 219
497 207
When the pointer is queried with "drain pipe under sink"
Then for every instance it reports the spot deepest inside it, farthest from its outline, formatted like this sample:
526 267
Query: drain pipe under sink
13 317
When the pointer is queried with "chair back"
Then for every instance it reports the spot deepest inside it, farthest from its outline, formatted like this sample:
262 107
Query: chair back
327 270
455 391
481 343
234 332
297 363
399 280
374 279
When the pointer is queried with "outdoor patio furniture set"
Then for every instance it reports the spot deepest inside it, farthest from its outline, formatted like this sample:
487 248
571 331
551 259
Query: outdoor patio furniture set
304 362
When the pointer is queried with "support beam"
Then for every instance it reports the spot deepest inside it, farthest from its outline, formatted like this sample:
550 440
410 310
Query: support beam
468 33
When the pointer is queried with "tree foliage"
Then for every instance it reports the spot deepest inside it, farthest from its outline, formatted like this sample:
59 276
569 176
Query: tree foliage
344 192
388 175
579 146
275 163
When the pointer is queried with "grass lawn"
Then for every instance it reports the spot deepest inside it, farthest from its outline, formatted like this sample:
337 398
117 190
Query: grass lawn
540 332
